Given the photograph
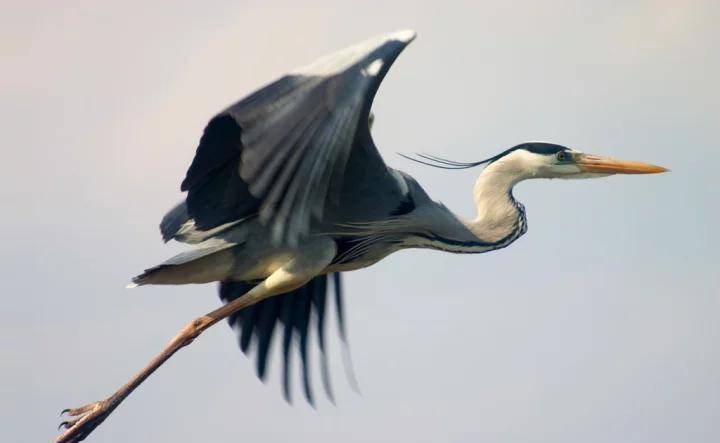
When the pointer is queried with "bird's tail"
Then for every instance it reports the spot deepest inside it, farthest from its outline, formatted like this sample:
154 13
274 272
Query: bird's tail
202 265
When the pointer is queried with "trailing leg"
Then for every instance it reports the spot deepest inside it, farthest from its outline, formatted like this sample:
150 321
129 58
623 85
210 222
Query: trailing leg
315 258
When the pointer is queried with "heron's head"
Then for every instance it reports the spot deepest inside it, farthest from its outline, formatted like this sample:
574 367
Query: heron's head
548 160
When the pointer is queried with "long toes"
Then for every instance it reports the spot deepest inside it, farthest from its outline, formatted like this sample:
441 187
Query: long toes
87 418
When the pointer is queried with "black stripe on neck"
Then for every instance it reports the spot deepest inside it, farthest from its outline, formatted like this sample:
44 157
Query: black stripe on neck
519 229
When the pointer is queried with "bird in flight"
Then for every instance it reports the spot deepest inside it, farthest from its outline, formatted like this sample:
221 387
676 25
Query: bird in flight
287 191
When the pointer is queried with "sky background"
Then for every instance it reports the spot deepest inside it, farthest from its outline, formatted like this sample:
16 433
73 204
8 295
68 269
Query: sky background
599 325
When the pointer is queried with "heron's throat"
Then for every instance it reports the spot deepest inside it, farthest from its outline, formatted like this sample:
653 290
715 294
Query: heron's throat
499 215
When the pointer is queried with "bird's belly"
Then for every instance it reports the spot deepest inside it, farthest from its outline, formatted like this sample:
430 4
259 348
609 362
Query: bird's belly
263 267
257 258
247 267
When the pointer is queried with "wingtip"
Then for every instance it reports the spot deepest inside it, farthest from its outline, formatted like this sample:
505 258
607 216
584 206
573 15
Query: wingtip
405 35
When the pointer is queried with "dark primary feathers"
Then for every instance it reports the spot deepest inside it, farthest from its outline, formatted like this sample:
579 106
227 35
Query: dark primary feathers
291 317
283 151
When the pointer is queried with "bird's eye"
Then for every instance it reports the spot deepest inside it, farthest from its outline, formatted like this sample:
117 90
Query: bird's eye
561 156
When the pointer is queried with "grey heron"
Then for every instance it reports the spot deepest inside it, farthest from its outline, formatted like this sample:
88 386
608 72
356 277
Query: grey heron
287 190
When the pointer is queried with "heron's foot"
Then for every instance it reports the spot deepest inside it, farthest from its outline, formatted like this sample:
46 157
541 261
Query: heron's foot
84 420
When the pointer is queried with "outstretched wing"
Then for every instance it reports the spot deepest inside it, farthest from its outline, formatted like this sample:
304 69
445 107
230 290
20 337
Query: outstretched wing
255 327
283 151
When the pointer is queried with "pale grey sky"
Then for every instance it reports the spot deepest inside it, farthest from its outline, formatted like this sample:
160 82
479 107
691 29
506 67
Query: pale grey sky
599 325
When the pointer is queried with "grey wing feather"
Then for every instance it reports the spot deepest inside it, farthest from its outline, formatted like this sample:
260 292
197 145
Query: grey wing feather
283 152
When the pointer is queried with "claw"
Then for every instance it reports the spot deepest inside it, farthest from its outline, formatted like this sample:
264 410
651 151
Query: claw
64 411
67 424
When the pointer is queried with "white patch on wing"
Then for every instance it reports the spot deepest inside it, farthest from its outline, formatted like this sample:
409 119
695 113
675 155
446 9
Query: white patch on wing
374 67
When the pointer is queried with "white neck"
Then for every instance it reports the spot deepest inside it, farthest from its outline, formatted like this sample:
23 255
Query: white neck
497 212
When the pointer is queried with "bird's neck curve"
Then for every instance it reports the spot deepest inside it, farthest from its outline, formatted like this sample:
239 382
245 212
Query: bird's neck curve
499 215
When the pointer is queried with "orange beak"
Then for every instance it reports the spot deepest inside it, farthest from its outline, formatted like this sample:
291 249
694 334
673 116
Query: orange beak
607 165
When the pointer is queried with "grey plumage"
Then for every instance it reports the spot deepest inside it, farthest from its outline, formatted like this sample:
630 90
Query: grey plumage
292 161
293 166
292 158
288 188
